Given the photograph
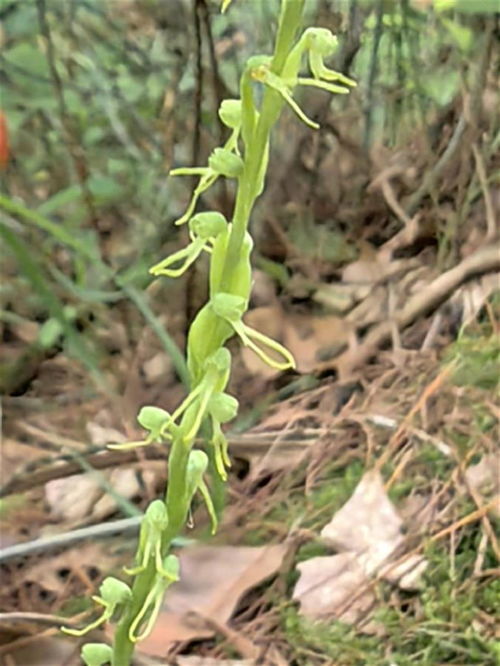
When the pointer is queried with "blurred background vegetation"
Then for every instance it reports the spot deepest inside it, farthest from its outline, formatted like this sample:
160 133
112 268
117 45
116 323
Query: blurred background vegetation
101 98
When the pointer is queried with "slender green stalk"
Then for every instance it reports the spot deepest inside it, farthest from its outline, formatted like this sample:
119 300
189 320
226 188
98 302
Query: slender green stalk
208 360
289 24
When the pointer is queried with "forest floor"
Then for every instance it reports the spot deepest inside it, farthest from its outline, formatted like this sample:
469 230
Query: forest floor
359 525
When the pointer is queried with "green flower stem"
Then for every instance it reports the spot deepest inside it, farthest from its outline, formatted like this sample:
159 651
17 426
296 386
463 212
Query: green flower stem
178 498
289 23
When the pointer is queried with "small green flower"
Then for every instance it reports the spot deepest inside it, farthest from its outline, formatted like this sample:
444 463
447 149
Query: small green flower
217 368
204 229
318 43
150 418
222 162
153 419
114 593
153 525
226 163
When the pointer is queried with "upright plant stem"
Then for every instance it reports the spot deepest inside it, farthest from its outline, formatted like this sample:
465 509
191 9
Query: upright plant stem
289 23
177 501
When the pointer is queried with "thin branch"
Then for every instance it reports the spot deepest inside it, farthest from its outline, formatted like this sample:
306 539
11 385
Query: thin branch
60 467
65 539
491 225
431 177
484 260
372 75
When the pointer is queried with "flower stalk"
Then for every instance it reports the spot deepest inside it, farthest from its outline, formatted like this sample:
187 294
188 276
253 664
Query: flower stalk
244 157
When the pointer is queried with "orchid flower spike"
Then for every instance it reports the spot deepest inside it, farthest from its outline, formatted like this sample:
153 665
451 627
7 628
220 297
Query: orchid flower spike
203 229
231 308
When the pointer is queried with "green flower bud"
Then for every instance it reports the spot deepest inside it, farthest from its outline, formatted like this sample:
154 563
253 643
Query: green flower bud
322 40
171 567
196 468
153 419
230 113
208 225
220 361
156 515
96 654
223 407
226 163
229 306
114 591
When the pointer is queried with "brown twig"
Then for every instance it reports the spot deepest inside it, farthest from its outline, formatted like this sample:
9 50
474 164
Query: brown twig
484 260
430 178
101 458
491 226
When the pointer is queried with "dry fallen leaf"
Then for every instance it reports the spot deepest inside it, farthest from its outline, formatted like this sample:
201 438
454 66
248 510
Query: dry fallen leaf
159 365
102 435
73 497
367 524
366 531
52 573
126 483
484 478
213 579
328 585
312 339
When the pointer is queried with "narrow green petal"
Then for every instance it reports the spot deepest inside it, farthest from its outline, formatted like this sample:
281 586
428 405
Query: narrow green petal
190 171
154 597
93 625
202 487
189 253
190 398
246 334
329 87
206 181
129 445
267 77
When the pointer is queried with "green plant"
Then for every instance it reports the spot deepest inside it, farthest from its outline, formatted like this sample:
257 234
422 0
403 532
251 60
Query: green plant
244 157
